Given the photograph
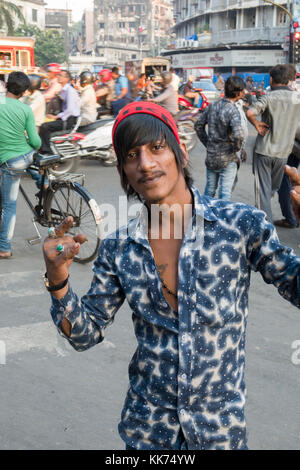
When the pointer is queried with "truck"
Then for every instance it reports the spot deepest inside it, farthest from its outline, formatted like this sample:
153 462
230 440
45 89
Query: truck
16 54
150 66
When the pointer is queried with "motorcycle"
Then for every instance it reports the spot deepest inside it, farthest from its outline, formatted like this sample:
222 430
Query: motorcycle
93 142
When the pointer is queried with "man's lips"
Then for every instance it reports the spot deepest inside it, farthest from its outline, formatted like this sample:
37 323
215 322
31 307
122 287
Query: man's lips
148 179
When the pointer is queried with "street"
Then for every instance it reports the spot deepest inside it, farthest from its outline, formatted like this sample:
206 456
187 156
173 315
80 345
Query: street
53 397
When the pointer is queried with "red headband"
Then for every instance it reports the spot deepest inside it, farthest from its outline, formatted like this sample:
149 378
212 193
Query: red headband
145 107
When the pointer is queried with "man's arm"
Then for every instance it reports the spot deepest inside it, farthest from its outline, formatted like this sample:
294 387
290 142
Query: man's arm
72 103
81 322
33 137
256 109
294 176
200 127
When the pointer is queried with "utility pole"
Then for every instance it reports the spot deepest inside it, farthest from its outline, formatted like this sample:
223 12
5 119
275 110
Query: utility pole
291 27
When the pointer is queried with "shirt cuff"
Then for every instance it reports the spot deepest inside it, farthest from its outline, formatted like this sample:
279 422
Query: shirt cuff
66 307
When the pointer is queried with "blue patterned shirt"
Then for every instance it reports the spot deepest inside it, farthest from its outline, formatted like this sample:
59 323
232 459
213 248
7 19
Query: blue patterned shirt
187 374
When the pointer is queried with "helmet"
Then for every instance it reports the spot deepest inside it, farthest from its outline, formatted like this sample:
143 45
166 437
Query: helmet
35 82
86 78
167 77
56 68
105 75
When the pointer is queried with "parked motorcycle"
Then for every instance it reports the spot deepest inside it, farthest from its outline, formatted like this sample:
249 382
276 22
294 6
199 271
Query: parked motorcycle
93 142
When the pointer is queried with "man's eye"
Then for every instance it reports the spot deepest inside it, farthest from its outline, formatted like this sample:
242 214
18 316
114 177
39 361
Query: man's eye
159 146
131 155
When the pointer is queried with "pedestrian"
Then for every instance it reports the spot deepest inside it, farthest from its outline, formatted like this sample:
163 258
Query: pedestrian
223 140
280 110
249 90
69 115
188 291
220 82
122 91
289 220
16 152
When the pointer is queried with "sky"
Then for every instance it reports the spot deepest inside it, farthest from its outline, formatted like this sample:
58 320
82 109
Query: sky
77 6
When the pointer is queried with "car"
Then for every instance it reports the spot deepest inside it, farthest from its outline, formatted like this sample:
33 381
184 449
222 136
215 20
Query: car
208 89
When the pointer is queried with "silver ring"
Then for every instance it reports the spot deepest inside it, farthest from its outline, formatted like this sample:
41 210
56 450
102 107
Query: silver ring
52 232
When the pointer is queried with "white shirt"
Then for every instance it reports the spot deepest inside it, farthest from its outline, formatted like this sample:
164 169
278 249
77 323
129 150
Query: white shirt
88 105
175 81
37 103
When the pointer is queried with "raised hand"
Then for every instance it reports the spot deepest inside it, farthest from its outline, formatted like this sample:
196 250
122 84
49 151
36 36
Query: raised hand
294 176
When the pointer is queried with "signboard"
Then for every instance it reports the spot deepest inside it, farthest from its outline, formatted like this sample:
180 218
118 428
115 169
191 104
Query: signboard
230 58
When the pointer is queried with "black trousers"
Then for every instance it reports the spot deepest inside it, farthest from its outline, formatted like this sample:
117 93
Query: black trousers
48 128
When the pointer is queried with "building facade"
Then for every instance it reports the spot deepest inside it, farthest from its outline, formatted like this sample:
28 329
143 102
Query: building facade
131 29
61 21
33 11
230 34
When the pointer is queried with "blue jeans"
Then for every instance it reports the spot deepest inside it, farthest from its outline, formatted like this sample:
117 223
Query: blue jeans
11 172
223 178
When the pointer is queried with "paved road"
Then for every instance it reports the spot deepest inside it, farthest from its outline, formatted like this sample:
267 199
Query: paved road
55 398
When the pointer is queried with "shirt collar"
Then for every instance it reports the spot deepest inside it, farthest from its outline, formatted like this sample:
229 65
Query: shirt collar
138 227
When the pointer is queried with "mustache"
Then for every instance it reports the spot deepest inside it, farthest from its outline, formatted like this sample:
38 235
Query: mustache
149 176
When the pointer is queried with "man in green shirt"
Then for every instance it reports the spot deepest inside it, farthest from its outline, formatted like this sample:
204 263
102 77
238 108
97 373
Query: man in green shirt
16 152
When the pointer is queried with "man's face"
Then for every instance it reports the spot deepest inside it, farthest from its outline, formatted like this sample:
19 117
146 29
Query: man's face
114 75
63 78
151 170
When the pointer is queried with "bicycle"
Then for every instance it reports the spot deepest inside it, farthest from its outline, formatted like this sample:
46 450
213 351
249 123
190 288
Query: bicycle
65 196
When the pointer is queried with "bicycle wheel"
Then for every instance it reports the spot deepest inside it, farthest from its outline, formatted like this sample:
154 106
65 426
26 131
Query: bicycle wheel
67 198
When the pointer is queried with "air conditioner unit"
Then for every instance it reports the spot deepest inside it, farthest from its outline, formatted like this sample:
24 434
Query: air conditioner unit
196 44
185 43
190 43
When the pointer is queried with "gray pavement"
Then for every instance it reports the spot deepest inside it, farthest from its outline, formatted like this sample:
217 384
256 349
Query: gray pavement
55 398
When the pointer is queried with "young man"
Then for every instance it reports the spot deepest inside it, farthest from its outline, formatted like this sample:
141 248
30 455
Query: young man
280 111
16 152
67 118
35 99
188 291
223 140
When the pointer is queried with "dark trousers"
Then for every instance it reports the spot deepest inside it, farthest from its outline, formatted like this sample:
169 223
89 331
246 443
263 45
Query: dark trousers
284 193
48 128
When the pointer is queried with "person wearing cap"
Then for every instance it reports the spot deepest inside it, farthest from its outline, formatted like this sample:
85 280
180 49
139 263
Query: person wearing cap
190 92
183 265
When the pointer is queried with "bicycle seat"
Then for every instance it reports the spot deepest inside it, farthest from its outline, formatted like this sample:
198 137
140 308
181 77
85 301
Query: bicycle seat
45 160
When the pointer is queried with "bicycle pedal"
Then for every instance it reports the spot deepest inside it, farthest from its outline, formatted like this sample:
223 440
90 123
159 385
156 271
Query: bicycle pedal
34 241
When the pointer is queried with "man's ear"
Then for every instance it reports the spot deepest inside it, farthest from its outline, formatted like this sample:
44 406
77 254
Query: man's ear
185 155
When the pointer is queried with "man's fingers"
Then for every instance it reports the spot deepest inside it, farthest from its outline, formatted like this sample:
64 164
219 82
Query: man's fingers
293 174
64 226
296 197
68 253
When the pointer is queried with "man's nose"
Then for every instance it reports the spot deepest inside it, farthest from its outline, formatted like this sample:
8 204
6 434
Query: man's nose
146 160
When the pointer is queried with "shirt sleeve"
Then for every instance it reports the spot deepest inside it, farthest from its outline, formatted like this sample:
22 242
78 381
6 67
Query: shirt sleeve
277 263
237 130
33 138
96 310
200 127
72 105
260 105
163 96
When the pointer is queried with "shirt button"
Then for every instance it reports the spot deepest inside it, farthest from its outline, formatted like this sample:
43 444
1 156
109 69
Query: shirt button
184 376
184 338
182 412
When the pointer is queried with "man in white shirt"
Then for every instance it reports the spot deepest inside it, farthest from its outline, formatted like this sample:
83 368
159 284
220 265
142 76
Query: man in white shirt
35 99
88 100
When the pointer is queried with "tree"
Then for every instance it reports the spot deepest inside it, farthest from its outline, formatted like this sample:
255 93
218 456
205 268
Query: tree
49 45
9 12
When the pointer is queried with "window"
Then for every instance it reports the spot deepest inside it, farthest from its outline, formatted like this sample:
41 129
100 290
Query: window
34 15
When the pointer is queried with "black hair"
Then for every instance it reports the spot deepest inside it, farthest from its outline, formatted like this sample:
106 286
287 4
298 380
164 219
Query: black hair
115 70
69 75
17 83
292 71
280 74
233 86
142 129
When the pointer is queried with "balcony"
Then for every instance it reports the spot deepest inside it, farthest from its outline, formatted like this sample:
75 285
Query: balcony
242 36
